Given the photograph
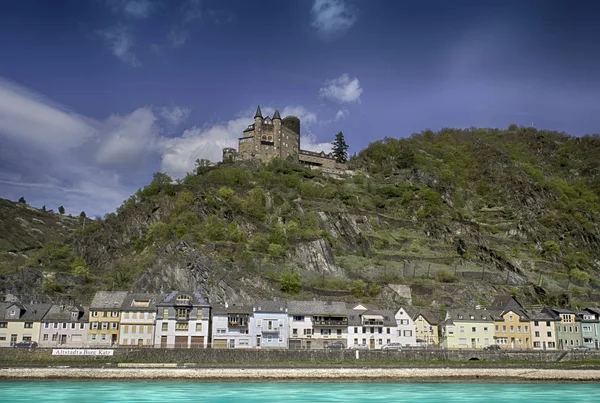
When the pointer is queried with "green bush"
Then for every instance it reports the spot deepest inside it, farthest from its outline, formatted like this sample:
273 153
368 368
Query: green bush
290 283
444 276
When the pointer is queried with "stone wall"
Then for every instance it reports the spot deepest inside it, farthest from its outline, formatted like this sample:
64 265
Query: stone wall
255 356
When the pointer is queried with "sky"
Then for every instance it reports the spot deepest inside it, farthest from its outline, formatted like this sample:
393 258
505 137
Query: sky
97 95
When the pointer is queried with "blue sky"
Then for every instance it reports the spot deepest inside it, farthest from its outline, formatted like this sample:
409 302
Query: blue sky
96 95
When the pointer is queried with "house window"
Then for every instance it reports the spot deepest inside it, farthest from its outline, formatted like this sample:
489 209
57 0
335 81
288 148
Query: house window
199 327
462 329
54 337
485 330
387 330
547 323
526 329
221 331
474 329
95 314
183 299
55 325
165 326
536 344
496 327
182 313
536 323
3 325
64 325
94 325
114 325
356 330
298 318
115 314
519 329
28 325
165 313
46 325
307 332
408 333
182 327
537 334
104 325
462 342
549 334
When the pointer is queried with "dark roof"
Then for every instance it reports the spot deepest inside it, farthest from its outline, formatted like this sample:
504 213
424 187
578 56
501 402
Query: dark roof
258 113
276 115
108 300
270 306
129 304
220 309
506 303
355 316
63 313
539 315
479 315
317 308
433 317
196 299
25 312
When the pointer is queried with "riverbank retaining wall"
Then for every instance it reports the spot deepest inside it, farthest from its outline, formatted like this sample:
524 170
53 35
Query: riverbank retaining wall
255 356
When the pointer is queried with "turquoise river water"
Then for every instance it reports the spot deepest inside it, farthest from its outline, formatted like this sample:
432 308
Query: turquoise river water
294 392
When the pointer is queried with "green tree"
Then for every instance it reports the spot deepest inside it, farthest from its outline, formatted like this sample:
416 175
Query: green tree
22 200
340 148
82 214
290 283
61 209
79 268
44 207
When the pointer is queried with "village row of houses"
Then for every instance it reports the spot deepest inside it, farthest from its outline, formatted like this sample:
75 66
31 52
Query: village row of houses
188 320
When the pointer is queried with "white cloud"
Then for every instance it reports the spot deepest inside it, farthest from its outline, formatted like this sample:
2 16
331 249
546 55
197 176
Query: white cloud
191 10
139 9
342 89
127 139
29 117
333 16
342 113
178 37
180 153
174 115
121 43
309 143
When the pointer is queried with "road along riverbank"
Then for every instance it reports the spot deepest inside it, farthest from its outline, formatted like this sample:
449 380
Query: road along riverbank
364 374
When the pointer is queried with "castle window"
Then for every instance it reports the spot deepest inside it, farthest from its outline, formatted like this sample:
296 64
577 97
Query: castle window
270 138
264 137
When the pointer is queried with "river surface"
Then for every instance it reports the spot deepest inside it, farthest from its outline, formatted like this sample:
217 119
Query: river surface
294 392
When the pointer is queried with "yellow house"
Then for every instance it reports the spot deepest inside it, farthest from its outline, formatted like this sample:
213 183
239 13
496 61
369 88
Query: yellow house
464 329
426 326
512 329
105 315
21 322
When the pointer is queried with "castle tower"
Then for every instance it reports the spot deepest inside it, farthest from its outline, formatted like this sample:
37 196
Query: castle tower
277 138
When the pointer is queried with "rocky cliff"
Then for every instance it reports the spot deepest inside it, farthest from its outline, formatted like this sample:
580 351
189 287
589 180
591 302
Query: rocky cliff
437 219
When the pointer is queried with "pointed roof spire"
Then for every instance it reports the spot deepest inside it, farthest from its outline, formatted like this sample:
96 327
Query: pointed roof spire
276 115
258 113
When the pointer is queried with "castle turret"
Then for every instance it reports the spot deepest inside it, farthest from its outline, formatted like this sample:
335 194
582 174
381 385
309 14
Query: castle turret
258 117
276 115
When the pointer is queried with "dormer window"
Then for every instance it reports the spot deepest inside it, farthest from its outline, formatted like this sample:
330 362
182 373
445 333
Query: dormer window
74 315
183 299
459 316
472 317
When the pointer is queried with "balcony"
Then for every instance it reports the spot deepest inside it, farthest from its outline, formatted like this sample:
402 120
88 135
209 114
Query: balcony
330 322
237 324
271 329
372 323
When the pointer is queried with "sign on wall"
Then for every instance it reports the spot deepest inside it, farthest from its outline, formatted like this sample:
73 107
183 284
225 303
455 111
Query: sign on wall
81 351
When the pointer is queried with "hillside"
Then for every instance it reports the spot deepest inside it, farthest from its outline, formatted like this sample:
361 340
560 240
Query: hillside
24 232
437 219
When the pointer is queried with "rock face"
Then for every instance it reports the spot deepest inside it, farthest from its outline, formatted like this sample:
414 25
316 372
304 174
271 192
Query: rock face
317 257
451 218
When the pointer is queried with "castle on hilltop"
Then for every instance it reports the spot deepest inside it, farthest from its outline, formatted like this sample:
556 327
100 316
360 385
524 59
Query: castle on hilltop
270 138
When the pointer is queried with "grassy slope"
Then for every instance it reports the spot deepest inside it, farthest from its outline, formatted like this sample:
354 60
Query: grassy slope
460 215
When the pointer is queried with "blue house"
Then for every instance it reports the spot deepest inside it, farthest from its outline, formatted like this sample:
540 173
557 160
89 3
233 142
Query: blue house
269 327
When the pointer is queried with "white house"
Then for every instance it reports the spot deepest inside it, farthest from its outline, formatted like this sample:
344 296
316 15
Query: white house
138 315
182 321
315 324
230 326
374 328
406 328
